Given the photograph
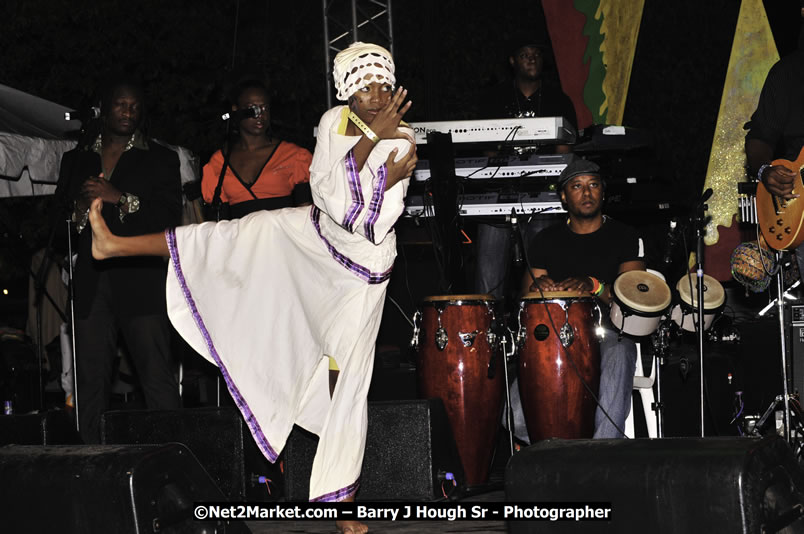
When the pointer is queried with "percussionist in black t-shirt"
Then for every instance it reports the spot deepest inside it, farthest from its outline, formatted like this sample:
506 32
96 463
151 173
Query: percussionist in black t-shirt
586 253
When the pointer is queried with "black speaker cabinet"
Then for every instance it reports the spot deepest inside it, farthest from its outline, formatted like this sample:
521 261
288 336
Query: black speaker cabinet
216 436
104 488
662 485
409 452
53 427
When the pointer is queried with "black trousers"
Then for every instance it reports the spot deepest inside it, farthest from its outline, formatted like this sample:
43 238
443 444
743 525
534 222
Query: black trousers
147 338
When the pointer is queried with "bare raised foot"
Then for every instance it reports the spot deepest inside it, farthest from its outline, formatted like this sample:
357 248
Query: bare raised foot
102 238
351 527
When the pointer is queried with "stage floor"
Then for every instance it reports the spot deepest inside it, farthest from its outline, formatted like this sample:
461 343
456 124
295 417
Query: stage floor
393 527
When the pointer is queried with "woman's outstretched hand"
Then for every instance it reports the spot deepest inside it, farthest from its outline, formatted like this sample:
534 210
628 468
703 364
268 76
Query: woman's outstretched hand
387 121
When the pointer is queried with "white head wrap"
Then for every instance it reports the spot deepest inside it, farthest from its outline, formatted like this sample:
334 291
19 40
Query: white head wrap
360 65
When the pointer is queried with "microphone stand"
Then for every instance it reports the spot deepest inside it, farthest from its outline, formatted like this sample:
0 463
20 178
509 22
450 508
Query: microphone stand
40 291
516 236
700 221
72 322
226 151
782 344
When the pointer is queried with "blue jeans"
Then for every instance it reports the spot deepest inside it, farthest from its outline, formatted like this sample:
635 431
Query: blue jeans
617 366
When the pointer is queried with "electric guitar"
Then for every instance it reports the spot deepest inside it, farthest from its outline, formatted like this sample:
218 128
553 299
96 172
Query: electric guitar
780 220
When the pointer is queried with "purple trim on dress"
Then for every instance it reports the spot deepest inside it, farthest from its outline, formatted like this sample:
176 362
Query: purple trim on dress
340 494
251 421
357 192
376 202
356 268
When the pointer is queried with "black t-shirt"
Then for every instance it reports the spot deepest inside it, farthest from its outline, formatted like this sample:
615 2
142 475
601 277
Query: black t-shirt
506 100
779 118
563 253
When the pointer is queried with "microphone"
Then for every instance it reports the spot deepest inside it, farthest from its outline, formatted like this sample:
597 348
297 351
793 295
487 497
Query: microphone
671 242
251 112
83 115
706 196
515 236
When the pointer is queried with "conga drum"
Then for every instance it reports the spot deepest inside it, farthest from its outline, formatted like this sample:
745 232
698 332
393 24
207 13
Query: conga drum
558 351
685 313
459 362
639 299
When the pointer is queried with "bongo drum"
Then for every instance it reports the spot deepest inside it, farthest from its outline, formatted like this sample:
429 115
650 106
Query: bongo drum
459 363
639 299
557 347
685 313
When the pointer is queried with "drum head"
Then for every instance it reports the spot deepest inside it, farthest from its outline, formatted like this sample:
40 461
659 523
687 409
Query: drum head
642 291
458 298
550 295
714 295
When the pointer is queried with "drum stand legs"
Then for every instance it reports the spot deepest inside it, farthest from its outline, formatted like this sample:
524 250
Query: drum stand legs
661 344
659 405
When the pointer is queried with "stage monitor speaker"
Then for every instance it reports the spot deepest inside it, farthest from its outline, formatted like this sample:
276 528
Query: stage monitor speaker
216 436
409 453
105 488
53 427
662 486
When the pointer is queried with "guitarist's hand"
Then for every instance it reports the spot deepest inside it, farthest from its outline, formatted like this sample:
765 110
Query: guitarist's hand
778 180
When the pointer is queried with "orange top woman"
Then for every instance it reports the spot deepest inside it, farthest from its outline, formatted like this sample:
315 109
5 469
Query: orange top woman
256 171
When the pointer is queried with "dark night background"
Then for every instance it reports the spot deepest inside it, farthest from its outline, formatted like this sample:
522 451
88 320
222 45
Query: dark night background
447 53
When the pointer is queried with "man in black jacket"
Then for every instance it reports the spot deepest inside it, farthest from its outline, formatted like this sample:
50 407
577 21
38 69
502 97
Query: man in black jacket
139 183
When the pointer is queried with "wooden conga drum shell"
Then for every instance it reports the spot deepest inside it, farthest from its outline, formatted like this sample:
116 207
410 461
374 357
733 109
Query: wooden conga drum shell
458 375
554 399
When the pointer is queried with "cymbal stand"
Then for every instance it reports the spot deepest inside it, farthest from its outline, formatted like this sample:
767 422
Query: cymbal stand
784 398
792 409
786 295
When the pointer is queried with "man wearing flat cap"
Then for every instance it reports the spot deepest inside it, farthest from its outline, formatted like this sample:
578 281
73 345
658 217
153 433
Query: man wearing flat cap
585 253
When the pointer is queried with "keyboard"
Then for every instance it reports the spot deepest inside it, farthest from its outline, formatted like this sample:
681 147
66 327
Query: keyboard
488 204
518 131
482 168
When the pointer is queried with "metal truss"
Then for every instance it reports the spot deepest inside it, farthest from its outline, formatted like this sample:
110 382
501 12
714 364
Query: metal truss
347 21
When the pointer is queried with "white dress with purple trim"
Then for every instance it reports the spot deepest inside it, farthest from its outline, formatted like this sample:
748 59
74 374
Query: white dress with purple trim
269 297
